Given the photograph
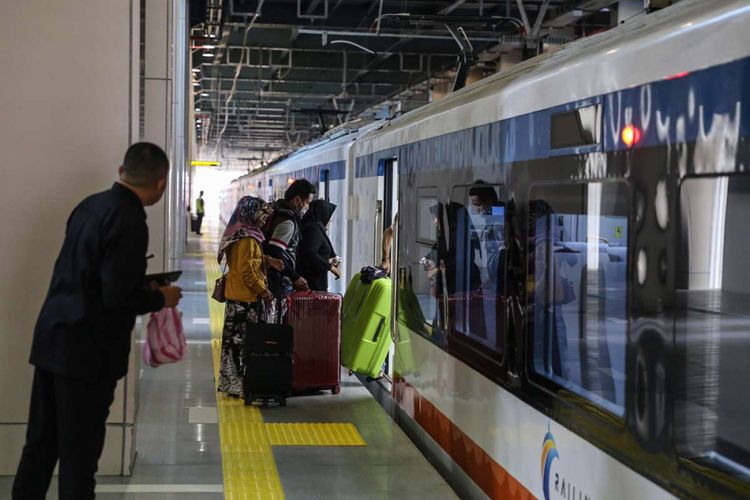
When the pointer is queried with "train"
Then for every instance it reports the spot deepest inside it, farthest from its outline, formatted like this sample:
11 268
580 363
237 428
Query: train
569 260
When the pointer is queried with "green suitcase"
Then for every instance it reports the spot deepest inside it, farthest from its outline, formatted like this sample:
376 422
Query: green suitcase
366 326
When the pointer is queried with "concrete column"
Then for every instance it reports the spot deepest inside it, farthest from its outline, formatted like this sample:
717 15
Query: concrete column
165 122
69 100
157 113
177 200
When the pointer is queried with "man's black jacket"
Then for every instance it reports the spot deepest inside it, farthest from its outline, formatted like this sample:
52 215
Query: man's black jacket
281 243
97 289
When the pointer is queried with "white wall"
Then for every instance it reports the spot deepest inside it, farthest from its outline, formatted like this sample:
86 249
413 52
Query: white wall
66 119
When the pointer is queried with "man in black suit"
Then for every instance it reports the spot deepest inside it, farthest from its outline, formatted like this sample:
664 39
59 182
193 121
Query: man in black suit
82 337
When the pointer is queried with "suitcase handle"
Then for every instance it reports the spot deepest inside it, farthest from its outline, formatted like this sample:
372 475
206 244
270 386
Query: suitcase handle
380 328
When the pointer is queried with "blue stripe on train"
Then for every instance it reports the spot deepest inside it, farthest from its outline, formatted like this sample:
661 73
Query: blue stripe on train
336 171
682 108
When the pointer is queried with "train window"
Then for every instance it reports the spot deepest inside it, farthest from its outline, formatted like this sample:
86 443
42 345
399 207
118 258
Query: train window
475 262
578 127
712 329
577 288
427 207
323 185
427 252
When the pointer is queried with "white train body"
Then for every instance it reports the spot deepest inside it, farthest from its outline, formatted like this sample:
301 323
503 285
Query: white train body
679 80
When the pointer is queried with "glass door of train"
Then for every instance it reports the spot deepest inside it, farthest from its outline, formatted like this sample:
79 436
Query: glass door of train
385 213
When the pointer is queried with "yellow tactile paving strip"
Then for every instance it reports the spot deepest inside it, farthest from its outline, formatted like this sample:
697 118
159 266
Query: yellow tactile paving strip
247 459
313 435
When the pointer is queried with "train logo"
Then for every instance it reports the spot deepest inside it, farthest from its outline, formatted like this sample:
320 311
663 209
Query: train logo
549 453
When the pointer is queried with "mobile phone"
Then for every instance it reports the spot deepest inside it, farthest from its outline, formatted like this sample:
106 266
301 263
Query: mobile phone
163 279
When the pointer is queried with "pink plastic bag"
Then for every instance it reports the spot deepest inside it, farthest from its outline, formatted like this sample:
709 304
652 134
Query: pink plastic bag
165 338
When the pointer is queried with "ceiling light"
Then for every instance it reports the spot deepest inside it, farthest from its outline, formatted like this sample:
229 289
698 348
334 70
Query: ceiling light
206 54
196 70
209 47
204 94
197 110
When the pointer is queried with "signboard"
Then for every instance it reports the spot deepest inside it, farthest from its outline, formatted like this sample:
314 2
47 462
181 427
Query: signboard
205 163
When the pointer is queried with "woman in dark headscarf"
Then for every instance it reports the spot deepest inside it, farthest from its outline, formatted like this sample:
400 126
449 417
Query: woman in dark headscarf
245 286
316 256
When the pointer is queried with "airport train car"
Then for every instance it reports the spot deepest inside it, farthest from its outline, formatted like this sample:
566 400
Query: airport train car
324 163
572 285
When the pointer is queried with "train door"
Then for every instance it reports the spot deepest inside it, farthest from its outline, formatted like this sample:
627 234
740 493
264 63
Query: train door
711 322
386 208
386 203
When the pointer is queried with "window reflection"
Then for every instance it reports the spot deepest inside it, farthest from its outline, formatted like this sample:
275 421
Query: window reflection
577 288
577 127
418 296
713 321
477 254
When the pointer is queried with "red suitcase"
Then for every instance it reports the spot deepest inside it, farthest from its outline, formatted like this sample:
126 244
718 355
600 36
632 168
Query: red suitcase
316 319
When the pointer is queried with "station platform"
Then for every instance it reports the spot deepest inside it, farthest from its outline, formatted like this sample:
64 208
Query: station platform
193 443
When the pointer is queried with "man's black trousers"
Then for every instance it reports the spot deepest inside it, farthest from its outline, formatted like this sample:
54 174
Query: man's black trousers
67 421
199 223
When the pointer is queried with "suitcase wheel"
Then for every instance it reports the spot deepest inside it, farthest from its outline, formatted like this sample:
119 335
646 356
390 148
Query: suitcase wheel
336 389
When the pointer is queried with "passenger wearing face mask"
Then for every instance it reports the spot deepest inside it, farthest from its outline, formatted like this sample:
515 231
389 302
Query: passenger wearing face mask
317 256
283 237
487 217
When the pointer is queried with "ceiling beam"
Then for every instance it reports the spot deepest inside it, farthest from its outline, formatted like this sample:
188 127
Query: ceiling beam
447 10
577 11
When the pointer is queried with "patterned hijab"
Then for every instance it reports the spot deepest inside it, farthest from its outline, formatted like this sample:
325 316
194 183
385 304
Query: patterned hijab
247 221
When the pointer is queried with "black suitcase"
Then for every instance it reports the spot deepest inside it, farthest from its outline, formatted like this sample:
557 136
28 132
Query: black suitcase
193 223
269 358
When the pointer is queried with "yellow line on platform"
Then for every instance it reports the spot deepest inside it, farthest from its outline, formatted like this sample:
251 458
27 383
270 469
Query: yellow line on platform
247 459
313 435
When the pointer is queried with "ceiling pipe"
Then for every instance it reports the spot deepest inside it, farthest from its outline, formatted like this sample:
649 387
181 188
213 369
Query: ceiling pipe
313 31
452 7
